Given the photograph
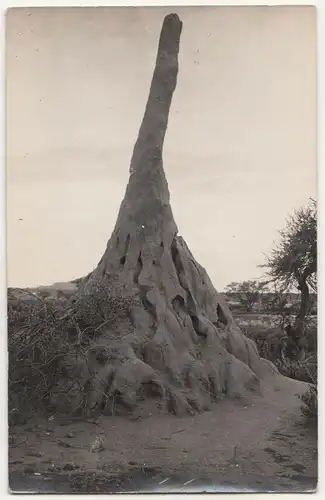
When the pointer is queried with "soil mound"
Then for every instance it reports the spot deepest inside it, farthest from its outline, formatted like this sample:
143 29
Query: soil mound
147 323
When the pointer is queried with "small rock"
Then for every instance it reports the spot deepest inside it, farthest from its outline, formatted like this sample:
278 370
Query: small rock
132 462
53 468
71 466
71 434
34 454
64 444
298 467
97 445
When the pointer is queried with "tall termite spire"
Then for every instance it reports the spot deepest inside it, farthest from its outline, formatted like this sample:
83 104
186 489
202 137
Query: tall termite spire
150 141
177 334
147 191
145 213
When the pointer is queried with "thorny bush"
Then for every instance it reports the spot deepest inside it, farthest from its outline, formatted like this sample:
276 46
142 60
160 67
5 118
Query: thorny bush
309 408
43 333
275 348
304 368
37 342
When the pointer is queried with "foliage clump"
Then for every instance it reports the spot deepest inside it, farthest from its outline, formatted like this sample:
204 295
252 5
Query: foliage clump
293 262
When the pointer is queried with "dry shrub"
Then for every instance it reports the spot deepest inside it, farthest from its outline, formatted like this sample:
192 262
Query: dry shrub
102 305
309 408
49 339
269 341
36 345
271 345
304 368
310 334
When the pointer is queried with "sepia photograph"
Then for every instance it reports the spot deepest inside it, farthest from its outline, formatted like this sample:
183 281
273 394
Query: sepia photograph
161 238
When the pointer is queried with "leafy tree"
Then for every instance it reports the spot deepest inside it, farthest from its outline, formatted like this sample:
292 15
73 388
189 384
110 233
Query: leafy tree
248 293
293 262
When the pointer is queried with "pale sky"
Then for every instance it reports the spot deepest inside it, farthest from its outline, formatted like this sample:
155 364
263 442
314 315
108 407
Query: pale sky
240 150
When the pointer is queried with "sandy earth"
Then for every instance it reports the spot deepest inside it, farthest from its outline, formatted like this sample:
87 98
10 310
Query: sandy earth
260 444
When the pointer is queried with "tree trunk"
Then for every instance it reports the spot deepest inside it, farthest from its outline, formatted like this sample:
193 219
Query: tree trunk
303 309
158 328
304 298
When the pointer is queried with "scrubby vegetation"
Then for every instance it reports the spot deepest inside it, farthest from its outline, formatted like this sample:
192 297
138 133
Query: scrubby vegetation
50 339
272 343
279 312
309 408
36 345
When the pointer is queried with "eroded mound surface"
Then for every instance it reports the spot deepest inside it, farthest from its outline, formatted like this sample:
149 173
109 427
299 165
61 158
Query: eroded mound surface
115 355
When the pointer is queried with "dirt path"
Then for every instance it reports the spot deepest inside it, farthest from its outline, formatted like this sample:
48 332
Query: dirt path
256 445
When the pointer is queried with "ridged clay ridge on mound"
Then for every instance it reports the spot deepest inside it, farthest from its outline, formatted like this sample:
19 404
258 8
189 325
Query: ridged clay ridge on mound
163 331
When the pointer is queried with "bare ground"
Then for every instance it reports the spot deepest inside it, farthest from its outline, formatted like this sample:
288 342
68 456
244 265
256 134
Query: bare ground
257 444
